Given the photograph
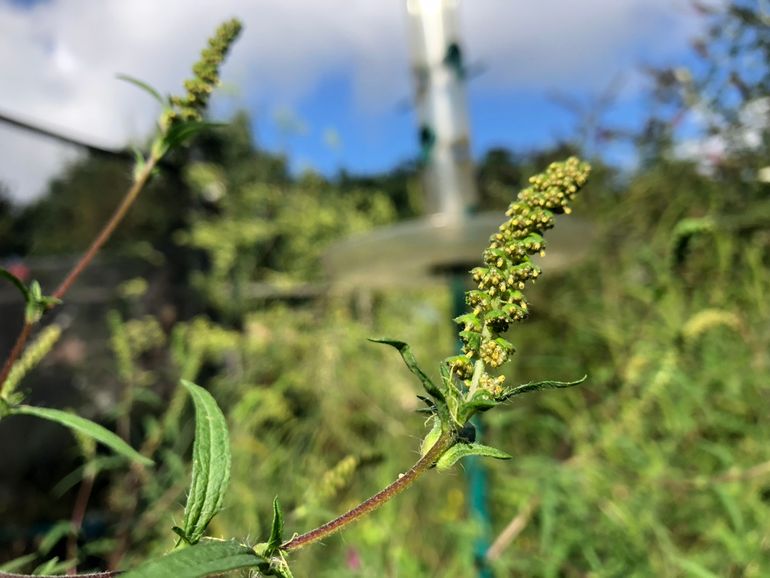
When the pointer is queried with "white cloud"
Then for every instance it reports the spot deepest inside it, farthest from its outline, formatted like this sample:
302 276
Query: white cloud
58 59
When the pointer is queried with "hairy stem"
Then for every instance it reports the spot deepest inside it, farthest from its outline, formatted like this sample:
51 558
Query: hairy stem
133 192
444 442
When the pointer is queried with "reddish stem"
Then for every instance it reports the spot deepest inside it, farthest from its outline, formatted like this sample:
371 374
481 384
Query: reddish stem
404 481
83 262
108 229
78 514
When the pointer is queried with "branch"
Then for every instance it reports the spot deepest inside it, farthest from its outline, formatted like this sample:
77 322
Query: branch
444 442
133 192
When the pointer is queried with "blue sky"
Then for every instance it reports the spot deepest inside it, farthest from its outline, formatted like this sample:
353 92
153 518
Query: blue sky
338 66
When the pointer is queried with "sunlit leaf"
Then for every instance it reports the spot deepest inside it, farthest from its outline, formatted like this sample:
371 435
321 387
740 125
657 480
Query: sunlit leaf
211 464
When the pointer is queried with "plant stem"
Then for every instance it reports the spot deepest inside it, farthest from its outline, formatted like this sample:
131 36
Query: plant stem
445 441
78 514
139 182
128 199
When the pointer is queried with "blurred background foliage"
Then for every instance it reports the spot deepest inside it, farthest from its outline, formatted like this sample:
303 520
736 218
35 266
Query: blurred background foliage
657 466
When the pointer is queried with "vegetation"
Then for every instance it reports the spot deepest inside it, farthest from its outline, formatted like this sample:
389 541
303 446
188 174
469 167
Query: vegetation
657 465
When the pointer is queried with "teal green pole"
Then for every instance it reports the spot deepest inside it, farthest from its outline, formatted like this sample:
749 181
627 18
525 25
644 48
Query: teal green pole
475 472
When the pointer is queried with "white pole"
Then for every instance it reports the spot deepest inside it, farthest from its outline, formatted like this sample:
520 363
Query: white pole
437 64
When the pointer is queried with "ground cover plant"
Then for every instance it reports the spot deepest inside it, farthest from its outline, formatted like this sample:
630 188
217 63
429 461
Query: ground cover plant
469 383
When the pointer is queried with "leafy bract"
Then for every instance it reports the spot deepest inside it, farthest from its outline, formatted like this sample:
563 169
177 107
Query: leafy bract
203 559
408 357
86 427
461 450
143 86
211 464
6 274
538 385
276 531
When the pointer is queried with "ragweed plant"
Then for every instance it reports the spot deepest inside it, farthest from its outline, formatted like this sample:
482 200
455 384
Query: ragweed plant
181 119
469 383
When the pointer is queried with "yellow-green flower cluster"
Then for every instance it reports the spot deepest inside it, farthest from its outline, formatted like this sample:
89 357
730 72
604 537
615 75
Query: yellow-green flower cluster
498 300
206 75
32 356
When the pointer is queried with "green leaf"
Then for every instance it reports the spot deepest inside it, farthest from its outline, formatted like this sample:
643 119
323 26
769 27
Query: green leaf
452 400
18 563
469 319
207 557
139 163
143 86
183 131
276 532
481 401
461 450
211 464
86 427
6 274
430 440
37 303
411 363
538 385
694 569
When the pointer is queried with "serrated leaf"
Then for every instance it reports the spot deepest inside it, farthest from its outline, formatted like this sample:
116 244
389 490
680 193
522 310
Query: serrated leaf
203 559
6 274
142 86
410 361
85 427
211 464
276 530
538 385
461 450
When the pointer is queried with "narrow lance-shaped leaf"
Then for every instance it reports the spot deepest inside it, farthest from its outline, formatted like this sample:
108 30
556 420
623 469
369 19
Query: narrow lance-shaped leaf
86 427
6 274
432 437
183 131
538 385
211 464
206 558
461 450
143 86
406 354
276 531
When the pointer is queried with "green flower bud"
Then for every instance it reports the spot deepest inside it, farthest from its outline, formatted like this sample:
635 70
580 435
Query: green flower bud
206 76
498 300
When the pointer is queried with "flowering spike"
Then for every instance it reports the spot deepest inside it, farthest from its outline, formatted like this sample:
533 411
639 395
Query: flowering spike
498 301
